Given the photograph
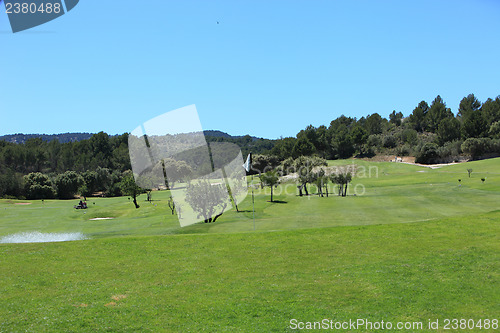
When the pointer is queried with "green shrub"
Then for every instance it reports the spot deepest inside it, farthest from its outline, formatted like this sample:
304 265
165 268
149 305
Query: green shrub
409 136
374 140
389 141
404 150
450 149
476 147
428 154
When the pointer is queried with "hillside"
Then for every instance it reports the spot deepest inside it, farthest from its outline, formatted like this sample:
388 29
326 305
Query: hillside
62 138
75 137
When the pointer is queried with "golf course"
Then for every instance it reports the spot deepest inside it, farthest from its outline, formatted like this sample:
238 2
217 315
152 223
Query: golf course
250 166
407 244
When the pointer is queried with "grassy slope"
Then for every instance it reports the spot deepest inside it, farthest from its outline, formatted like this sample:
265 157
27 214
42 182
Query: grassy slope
394 193
255 282
444 267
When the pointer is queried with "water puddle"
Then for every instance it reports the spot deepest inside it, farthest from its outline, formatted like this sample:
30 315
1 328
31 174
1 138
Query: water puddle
39 237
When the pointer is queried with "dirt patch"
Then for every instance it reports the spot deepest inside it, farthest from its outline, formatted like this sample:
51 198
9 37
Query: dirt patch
432 166
118 297
101 218
83 305
110 304
389 158
407 160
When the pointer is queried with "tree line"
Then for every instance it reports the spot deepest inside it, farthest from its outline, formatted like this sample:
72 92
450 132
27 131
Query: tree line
431 133
43 168
39 169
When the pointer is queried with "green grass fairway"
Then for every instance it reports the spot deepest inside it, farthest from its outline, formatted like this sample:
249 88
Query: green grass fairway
415 247
393 193
254 282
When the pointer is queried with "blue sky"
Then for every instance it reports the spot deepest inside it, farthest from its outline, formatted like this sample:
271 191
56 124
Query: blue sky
269 68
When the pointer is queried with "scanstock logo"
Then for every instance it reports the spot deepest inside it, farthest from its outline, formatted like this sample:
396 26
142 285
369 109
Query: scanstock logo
26 14
205 178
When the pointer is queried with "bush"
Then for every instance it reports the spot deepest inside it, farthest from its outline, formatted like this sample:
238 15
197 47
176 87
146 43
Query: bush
389 141
404 150
476 147
39 186
374 140
450 149
263 163
409 136
427 154
494 131
495 146
67 184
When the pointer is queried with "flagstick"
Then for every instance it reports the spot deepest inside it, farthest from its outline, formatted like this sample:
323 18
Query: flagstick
248 167
253 206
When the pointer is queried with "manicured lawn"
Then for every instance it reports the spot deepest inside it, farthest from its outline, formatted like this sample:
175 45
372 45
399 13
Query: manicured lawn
416 246
254 282
387 193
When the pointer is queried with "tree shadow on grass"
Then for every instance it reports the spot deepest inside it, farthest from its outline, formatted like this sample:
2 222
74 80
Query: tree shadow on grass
278 201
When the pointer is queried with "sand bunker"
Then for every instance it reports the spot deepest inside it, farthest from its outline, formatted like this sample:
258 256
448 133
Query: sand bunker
101 218
38 237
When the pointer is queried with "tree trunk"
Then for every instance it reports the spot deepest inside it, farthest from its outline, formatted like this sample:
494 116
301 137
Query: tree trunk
271 193
300 190
234 201
345 190
305 189
217 216
326 189
135 202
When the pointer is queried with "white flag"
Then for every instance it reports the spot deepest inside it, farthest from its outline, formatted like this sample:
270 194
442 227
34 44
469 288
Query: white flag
248 163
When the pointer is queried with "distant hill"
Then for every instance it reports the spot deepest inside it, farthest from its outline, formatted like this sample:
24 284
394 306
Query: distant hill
63 138
74 137
217 134
220 134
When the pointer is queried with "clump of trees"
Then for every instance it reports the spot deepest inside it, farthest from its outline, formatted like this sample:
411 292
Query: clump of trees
68 185
342 180
38 186
63 165
432 133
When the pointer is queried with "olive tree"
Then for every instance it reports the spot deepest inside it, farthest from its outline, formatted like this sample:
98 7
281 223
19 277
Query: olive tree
129 187
342 179
270 179
208 200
